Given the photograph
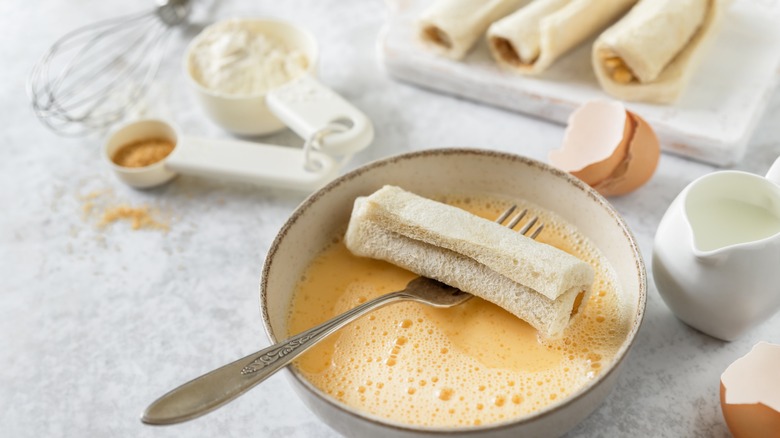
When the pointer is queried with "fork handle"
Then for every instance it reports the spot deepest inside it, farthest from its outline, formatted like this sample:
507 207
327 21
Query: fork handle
214 389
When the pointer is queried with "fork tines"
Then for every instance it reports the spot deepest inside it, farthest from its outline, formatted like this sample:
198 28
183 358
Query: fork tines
516 220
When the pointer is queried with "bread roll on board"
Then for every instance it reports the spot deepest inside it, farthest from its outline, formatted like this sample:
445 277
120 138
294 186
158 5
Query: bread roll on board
533 37
651 53
536 282
451 27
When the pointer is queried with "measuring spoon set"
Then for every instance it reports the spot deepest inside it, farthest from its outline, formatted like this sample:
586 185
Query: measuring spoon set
332 129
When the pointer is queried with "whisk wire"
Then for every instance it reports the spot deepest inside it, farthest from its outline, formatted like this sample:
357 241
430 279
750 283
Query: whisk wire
93 37
89 33
121 68
93 62
91 76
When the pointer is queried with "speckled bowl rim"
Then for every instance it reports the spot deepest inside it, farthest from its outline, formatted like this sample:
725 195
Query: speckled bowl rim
509 423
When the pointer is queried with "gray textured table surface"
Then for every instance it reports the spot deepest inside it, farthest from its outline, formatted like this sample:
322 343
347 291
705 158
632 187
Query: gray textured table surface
96 322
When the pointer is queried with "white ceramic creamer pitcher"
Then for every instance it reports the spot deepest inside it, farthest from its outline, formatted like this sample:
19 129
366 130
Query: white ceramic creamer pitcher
716 257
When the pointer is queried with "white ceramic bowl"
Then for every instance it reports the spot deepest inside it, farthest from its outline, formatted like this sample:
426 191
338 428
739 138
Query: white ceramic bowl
249 115
435 172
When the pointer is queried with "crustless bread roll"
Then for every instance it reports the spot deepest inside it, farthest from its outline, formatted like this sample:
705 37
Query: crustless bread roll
536 282
532 38
650 54
451 27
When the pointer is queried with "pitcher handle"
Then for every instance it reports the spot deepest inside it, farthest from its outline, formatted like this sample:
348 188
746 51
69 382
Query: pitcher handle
774 172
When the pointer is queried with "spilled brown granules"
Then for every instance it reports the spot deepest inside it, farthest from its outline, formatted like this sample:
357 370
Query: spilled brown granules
101 207
139 217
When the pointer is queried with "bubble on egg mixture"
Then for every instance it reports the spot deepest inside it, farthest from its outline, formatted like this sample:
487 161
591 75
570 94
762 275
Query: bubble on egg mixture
473 364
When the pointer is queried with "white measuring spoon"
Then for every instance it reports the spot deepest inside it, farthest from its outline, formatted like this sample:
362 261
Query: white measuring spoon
332 127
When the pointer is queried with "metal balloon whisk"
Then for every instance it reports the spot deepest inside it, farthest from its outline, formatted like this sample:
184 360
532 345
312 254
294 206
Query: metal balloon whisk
90 77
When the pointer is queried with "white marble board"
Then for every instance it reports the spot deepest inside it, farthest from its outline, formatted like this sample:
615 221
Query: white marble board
712 122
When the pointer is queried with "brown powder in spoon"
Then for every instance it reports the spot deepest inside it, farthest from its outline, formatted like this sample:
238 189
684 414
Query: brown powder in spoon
143 153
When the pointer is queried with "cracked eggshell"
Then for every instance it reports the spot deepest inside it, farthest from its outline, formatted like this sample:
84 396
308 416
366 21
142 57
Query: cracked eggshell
613 150
750 393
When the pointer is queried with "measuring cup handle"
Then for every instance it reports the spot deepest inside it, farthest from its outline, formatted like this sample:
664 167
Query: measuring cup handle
257 163
306 106
774 172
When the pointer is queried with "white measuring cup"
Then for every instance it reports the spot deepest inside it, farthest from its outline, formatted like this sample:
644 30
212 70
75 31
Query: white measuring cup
246 114
333 130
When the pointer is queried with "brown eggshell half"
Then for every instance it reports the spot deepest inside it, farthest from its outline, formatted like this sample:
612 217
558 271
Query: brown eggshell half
750 420
750 393
640 163
596 173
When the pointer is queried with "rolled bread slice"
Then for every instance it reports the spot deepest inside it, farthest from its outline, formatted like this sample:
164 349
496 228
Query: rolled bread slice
652 52
451 27
530 39
457 261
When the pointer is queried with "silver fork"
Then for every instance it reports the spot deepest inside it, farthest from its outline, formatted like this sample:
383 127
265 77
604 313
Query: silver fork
218 387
